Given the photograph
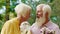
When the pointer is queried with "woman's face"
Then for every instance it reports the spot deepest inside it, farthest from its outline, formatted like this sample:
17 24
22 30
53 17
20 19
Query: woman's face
27 15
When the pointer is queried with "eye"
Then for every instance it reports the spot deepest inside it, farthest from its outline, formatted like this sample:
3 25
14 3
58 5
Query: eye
38 11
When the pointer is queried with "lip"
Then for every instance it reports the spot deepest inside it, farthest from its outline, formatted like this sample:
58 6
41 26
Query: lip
38 16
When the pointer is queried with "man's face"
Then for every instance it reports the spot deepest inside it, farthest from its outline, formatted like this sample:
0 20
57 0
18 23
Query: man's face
39 13
40 16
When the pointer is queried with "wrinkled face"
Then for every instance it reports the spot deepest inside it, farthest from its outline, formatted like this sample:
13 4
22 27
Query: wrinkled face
40 15
27 15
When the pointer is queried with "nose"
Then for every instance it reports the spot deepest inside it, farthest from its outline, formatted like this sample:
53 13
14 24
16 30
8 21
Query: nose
39 13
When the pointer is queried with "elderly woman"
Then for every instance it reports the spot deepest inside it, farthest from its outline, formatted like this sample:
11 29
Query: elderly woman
13 26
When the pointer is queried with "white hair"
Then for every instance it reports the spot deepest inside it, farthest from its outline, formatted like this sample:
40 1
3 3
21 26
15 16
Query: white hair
45 8
22 9
40 5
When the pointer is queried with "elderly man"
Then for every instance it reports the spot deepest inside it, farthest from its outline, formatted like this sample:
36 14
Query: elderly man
43 24
13 26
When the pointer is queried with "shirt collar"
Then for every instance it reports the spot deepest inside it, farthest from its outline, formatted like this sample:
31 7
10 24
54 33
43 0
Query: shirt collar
48 24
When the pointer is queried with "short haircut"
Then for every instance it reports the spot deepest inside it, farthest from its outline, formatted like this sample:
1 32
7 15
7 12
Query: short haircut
45 8
22 9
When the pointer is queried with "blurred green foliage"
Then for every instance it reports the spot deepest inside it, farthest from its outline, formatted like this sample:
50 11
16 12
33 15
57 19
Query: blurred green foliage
55 5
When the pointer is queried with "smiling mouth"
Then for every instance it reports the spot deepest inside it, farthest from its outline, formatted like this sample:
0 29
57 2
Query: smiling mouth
39 15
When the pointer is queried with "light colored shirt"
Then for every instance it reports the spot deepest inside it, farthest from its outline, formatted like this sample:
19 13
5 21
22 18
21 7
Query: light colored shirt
49 25
11 27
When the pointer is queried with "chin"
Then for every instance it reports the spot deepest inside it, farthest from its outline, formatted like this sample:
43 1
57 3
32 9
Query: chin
40 20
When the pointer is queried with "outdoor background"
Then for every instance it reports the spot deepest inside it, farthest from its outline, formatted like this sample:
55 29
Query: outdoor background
7 11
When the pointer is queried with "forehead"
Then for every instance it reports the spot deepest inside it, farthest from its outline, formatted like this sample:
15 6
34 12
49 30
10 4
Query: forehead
39 7
39 10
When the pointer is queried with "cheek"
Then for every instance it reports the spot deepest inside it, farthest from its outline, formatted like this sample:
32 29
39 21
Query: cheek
18 12
28 15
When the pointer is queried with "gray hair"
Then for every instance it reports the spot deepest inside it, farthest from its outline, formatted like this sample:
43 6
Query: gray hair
21 9
45 8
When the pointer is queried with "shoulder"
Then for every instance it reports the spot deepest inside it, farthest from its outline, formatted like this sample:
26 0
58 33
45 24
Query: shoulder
8 25
54 25
9 22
